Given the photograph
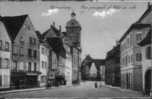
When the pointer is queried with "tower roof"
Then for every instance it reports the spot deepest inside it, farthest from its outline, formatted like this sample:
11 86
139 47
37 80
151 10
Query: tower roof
73 22
73 14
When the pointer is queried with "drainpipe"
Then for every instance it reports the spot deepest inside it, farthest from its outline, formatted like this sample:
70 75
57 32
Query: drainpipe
151 61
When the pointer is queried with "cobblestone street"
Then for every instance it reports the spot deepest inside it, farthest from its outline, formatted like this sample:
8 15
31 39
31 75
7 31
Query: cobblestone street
83 90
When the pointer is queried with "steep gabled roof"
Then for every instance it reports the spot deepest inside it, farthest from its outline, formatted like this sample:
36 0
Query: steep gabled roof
13 24
53 31
148 10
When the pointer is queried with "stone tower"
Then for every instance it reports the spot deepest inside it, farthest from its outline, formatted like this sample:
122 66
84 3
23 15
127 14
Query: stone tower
73 30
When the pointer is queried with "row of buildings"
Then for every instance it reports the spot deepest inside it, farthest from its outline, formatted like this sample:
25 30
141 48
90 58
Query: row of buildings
29 58
129 63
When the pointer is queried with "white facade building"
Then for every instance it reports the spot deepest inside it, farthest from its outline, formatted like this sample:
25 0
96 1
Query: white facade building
44 52
5 57
68 66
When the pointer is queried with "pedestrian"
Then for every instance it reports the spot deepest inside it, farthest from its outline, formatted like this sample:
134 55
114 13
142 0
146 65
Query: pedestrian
95 85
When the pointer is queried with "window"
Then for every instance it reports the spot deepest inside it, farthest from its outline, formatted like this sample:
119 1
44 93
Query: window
138 37
29 52
7 46
22 40
148 52
1 44
29 66
138 57
35 54
42 50
15 49
21 51
35 66
14 67
128 42
30 40
6 63
0 62
129 59
28 27
34 40
45 64
6 79
132 59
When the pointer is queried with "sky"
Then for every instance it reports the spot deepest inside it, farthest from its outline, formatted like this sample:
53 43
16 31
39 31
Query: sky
102 23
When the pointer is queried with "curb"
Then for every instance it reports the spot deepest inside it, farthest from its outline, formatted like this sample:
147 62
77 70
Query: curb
21 90
127 90
31 89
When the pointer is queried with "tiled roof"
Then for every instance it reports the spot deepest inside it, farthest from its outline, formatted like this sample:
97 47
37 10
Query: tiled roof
13 24
73 22
54 32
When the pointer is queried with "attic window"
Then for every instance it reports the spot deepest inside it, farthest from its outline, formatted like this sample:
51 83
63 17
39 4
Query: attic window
22 40
28 27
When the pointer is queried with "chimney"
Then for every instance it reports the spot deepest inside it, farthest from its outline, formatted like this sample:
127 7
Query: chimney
149 4
60 28
53 23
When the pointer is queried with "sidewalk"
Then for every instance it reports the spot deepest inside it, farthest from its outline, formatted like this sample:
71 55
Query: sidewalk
30 89
121 89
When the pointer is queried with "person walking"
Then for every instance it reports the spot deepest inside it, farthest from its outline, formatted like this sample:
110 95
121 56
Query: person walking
95 85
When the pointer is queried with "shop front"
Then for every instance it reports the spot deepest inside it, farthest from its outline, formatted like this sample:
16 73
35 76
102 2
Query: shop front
60 80
21 79
50 79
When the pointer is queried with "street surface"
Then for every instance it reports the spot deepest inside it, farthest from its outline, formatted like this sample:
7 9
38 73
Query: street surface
83 90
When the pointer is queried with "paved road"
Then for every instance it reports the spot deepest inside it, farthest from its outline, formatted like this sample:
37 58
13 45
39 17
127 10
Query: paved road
75 91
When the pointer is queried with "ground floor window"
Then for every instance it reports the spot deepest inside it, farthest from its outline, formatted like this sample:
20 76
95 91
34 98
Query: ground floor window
6 80
0 80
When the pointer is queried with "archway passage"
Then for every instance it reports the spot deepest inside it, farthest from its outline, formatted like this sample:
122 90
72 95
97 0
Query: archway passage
148 82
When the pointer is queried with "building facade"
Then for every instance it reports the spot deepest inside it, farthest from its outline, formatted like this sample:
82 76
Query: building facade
68 65
131 66
112 67
57 54
132 60
146 45
44 62
25 51
5 57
